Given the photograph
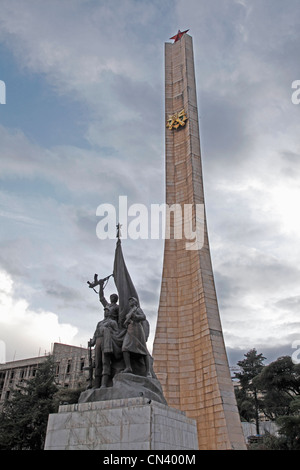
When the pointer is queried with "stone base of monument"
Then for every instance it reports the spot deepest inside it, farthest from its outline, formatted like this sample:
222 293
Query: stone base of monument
126 386
125 424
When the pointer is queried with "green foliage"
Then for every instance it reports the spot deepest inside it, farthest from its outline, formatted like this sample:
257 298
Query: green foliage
289 429
250 367
24 417
247 396
282 375
67 396
280 384
289 426
275 391
269 442
245 405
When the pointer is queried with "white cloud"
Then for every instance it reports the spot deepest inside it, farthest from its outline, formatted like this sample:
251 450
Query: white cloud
81 171
78 45
109 56
26 332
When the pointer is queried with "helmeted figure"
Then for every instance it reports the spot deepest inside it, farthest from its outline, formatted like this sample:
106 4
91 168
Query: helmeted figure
120 338
105 347
134 341
123 365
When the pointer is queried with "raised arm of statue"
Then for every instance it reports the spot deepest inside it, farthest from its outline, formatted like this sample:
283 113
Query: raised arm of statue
101 293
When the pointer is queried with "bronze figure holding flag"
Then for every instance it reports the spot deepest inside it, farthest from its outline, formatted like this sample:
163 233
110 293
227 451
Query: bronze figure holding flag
120 337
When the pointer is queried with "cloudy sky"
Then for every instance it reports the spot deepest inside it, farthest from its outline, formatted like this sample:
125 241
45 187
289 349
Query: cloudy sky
84 124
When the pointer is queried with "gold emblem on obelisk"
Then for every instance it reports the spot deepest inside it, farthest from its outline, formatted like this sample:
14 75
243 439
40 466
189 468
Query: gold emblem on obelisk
176 120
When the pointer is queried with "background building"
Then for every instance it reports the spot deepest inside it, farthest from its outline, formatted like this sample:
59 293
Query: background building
70 362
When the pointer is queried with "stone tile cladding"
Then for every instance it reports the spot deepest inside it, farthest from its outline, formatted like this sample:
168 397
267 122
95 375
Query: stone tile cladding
130 423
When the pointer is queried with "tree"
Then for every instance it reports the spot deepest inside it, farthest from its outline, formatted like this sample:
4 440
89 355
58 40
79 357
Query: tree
289 426
275 390
247 395
280 383
24 417
288 437
67 396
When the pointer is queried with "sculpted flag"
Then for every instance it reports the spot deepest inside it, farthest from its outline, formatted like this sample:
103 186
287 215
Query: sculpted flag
123 283
125 287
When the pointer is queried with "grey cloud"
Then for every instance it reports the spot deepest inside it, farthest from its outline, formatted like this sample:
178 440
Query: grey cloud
61 292
271 349
227 289
16 257
258 272
225 119
291 158
141 96
290 303
245 57
78 170
270 353
77 48
291 165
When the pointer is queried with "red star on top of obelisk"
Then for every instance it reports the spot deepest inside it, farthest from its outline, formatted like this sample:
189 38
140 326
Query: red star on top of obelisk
179 35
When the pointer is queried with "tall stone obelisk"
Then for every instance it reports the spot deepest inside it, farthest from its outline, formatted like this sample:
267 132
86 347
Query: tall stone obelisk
189 352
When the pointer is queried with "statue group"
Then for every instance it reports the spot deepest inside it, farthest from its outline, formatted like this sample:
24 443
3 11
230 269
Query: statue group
120 341
120 366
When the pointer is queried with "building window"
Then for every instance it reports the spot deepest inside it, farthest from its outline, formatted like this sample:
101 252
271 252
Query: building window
2 379
57 365
12 374
69 366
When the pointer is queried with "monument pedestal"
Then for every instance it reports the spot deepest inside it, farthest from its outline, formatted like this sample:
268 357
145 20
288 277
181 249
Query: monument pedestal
124 424
126 386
